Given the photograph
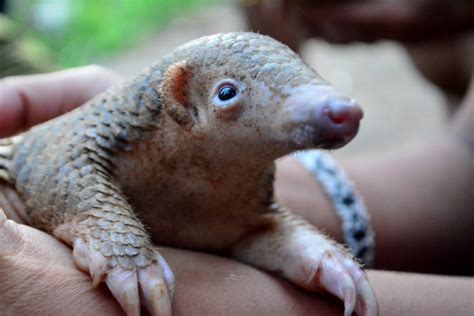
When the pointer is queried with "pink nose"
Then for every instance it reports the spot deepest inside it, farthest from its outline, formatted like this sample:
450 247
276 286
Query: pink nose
342 112
321 117
339 121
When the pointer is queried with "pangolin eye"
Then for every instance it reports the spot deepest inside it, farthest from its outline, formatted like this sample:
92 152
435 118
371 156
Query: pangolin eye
226 93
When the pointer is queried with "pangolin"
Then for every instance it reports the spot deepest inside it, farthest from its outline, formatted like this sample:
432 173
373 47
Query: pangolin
188 146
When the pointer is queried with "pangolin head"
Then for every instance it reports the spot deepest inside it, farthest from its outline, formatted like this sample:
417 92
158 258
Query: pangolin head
248 93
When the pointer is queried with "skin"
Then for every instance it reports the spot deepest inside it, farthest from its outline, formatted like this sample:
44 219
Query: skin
29 97
73 292
197 168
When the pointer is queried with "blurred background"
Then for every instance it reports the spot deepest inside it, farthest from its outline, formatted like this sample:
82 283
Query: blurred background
408 63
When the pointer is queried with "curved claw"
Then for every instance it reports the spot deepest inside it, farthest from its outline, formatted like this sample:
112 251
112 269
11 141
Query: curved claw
336 279
147 284
154 290
124 287
368 303
311 260
366 299
132 286
342 277
168 273
97 265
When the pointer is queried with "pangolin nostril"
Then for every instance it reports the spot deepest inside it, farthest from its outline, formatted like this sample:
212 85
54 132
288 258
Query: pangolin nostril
341 112
336 118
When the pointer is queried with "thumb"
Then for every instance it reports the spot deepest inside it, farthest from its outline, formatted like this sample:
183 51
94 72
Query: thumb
29 100
11 237
21 243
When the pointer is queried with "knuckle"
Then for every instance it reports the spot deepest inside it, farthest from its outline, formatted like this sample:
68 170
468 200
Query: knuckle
9 83
101 71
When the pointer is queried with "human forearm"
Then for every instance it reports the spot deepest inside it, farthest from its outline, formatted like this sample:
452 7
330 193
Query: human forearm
421 199
418 197
212 285
234 289
421 294
38 276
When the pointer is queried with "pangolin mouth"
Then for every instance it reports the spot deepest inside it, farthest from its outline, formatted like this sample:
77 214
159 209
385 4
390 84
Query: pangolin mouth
309 137
334 143
321 118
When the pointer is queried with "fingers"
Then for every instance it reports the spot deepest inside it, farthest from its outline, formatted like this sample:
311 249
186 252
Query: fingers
402 20
29 100
3 217
11 238
13 206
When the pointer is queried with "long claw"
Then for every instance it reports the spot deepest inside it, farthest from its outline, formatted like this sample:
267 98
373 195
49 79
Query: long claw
309 259
366 300
80 255
97 266
168 273
335 279
124 287
132 284
349 301
154 291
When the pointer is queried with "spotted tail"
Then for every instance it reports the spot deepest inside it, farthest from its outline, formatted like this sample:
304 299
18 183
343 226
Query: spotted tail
348 204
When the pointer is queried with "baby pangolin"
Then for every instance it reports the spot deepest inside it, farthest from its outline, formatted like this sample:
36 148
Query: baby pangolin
189 145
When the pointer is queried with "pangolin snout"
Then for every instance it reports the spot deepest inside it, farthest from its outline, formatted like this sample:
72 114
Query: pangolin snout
343 111
322 118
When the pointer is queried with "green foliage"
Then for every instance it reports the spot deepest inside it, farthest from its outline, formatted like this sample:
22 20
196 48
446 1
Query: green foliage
97 28
20 53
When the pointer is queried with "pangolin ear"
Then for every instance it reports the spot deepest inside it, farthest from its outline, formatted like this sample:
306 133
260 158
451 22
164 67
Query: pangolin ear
176 93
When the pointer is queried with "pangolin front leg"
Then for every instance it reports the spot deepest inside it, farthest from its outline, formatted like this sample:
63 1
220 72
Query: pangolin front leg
111 244
295 249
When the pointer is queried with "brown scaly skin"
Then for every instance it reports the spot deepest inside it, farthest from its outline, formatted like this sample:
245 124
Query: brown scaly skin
197 170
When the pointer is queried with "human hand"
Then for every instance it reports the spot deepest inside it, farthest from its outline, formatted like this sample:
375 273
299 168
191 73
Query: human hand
29 100
401 20
345 21
38 276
